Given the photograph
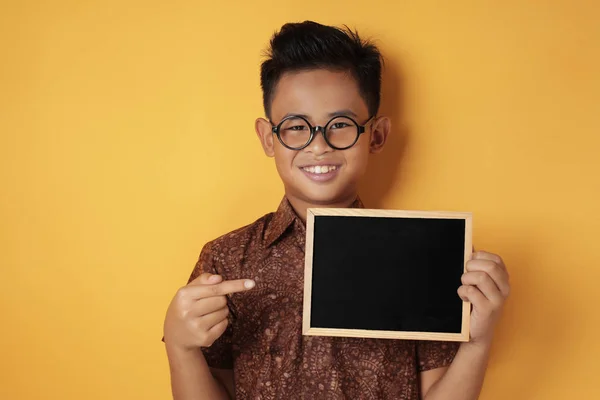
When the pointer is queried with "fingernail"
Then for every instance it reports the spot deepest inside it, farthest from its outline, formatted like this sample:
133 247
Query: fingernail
214 278
249 284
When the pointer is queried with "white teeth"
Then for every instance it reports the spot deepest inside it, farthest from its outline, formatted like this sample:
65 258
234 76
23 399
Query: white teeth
320 169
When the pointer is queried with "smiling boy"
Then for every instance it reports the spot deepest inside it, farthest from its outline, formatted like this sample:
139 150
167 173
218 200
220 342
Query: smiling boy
234 331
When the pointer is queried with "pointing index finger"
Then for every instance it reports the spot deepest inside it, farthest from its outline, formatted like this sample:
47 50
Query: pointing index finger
229 287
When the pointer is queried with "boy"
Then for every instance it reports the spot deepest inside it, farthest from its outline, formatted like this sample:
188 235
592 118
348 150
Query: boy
235 330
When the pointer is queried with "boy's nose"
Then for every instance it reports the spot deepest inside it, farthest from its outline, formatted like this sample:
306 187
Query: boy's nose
318 145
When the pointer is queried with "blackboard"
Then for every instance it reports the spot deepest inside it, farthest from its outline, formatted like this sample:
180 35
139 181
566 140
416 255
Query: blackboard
386 274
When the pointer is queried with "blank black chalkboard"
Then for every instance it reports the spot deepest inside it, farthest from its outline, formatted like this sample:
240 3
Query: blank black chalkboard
386 274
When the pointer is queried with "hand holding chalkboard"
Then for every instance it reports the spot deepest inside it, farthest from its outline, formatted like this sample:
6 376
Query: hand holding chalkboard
486 286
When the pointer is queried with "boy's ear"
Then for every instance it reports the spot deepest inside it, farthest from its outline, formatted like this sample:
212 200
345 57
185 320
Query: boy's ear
380 130
264 131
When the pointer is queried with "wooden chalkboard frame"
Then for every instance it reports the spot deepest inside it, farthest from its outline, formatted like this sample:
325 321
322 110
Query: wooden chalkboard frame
463 336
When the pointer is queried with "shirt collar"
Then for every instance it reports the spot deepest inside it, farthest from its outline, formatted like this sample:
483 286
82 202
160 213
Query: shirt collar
285 216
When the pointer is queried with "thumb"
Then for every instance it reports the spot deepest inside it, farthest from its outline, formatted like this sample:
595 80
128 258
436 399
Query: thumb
206 278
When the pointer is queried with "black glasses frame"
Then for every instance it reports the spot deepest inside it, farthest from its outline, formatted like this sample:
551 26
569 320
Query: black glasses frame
360 129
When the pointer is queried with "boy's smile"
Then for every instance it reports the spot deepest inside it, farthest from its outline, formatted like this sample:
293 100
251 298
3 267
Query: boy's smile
319 175
320 172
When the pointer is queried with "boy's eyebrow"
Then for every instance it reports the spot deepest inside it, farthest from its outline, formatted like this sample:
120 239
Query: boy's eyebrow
292 115
343 113
339 113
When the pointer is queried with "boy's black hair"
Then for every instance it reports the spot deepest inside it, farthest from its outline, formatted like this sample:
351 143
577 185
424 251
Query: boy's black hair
309 45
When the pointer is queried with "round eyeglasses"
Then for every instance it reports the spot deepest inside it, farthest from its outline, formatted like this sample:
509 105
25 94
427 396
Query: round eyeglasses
340 133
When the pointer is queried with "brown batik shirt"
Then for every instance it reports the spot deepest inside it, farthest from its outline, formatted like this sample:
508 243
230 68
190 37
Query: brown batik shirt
264 345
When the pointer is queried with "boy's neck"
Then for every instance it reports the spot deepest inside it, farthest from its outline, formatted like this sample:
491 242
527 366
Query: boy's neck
300 206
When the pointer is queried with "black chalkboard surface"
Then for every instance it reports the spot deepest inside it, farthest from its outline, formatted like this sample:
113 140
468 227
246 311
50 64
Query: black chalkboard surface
386 274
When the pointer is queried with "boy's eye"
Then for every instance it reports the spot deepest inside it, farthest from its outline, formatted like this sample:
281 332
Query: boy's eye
339 125
296 128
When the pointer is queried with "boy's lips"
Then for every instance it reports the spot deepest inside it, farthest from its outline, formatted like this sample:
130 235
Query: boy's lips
320 172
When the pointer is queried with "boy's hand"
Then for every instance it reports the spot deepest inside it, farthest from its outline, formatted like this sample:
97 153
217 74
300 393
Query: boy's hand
197 315
485 285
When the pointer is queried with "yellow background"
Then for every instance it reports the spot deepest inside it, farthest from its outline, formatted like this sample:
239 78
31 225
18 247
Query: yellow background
127 142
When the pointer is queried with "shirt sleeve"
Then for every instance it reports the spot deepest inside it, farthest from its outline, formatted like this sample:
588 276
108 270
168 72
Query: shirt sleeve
219 354
435 354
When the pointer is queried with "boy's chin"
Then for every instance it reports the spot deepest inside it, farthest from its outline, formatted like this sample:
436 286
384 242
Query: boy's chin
322 197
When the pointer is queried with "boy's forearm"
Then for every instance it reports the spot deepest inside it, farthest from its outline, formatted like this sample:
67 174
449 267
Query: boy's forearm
191 378
464 378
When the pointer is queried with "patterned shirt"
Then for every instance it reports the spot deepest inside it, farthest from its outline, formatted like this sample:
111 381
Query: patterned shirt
264 345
